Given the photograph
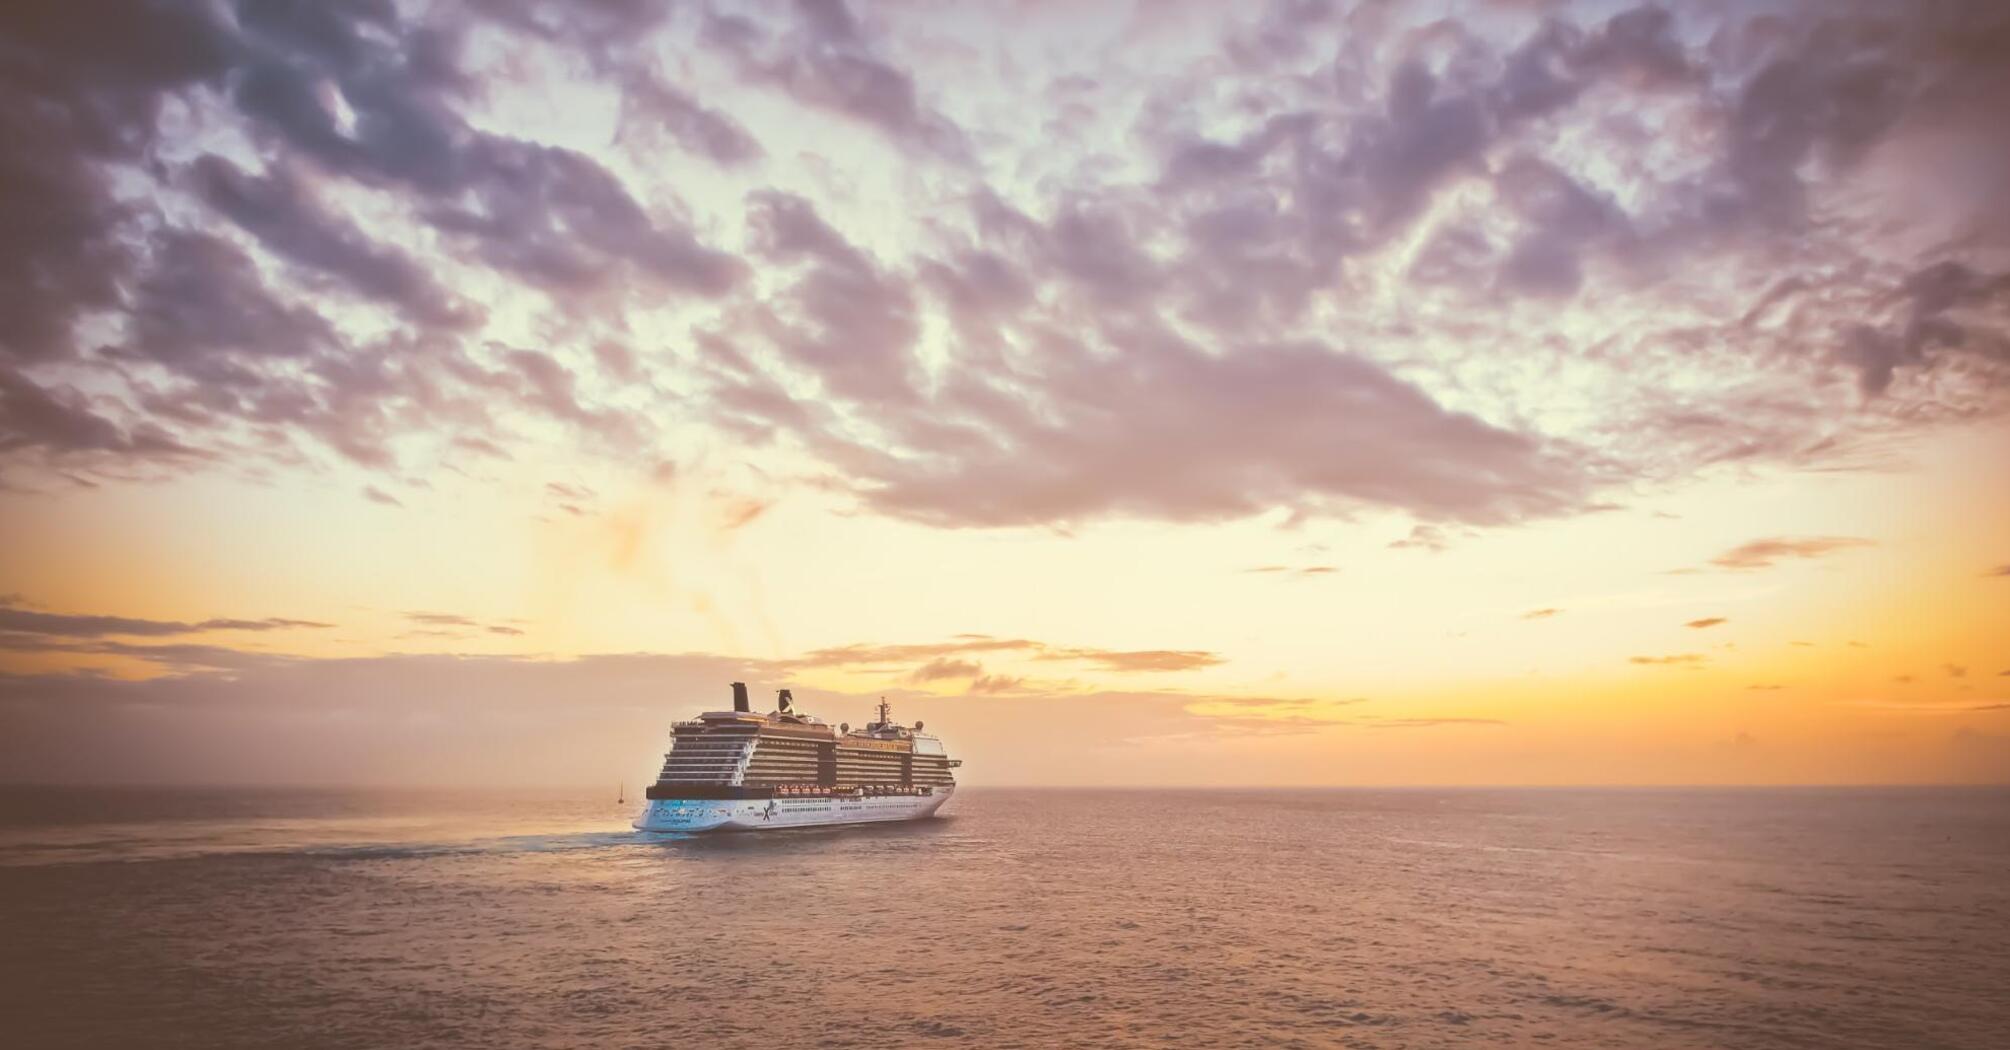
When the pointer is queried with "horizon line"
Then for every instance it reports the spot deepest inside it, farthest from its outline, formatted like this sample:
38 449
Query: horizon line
14 785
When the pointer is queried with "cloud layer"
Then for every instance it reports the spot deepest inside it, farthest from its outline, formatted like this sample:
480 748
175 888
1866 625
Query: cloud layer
1314 258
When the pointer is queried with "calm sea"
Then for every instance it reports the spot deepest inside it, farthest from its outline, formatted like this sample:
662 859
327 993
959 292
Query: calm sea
1034 918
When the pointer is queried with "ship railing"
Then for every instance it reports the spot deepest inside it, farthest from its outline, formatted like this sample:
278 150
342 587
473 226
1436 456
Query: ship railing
794 790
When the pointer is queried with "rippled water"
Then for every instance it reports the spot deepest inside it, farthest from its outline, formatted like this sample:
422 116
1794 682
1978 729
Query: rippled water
1802 918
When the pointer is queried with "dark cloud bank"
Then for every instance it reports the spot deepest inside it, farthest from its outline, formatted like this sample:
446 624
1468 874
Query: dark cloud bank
218 714
214 713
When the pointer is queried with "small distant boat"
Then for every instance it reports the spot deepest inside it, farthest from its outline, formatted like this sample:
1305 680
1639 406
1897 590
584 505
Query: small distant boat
621 794
741 771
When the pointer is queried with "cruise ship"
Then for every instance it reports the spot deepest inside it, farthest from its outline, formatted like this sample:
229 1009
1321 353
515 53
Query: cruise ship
742 771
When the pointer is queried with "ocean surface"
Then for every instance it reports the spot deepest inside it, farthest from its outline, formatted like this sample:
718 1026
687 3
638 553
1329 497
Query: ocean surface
1022 918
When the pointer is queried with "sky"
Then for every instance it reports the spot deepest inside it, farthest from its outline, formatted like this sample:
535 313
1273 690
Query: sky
1136 393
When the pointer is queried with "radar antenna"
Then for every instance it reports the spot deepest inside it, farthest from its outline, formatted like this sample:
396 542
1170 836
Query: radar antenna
885 712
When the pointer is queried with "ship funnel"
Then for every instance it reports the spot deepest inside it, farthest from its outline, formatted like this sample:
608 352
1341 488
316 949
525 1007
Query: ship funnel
783 700
740 698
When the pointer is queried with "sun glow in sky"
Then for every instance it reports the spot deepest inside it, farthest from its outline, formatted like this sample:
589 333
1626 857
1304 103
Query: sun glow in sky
1137 393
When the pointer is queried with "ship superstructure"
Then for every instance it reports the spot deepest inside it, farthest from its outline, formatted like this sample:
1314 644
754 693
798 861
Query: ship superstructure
740 770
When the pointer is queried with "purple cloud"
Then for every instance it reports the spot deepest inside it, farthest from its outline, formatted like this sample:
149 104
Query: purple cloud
653 108
14 619
826 61
1760 554
1167 431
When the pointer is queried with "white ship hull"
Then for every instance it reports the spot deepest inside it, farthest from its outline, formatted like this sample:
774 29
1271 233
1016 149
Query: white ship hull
692 815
